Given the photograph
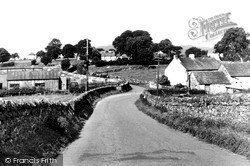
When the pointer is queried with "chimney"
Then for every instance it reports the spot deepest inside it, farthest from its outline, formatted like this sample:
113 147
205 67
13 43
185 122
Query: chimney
191 56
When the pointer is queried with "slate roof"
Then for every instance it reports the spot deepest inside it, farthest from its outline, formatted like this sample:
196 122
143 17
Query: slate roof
211 77
238 69
200 64
33 75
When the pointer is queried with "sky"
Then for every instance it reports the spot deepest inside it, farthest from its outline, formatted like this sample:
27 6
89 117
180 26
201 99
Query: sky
29 25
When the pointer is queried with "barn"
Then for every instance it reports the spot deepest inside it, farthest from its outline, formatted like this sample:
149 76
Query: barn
49 79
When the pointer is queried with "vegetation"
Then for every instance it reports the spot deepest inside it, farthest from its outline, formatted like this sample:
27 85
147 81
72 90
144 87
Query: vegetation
221 119
14 56
7 64
33 62
164 81
68 51
137 45
233 45
4 55
65 64
39 129
81 49
81 68
196 51
54 48
46 59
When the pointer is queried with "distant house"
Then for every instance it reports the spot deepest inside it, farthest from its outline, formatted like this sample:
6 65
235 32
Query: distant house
198 73
240 74
108 56
31 56
43 78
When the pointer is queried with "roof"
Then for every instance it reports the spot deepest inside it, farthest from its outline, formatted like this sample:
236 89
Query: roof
238 69
211 77
200 64
33 75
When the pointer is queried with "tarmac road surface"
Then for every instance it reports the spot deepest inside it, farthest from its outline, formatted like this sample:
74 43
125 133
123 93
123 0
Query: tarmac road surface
117 134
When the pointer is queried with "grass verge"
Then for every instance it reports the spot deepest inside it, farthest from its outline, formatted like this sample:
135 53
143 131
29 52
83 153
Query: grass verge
205 130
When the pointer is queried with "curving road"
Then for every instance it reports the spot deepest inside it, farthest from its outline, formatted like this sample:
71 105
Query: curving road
117 134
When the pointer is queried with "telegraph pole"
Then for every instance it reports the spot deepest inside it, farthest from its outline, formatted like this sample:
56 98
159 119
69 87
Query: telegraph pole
87 67
158 75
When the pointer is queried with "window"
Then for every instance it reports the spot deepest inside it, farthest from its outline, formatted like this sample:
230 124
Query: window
14 86
40 84
1 85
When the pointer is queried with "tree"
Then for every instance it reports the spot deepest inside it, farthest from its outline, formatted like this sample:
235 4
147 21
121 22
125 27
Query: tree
196 51
81 49
68 51
46 59
96 53
100 49
14 56
233 44
4 55
40 53
95 59
169 49
81 68
54 48
137 45
33 62
65 64
120 42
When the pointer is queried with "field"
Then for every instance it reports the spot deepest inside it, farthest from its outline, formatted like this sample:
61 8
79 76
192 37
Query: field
131 73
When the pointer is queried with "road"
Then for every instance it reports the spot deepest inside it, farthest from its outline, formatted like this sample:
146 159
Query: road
117 134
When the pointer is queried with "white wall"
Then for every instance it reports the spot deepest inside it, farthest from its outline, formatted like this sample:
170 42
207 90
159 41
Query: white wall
176 73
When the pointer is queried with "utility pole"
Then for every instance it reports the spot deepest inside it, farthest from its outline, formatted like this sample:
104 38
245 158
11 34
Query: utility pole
87 67
158 75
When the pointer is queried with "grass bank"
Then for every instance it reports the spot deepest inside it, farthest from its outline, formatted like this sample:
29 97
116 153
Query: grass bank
220 120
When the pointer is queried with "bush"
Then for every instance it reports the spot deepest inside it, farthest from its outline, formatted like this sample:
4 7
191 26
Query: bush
81 68
101 63
72 69
179 86
95 59
164 81
65 64
33 62
9 64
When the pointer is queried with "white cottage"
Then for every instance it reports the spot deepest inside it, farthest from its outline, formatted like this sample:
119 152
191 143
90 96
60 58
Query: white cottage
198 73
240 74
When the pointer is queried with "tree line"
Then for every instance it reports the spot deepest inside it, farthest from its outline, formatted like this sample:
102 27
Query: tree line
138 45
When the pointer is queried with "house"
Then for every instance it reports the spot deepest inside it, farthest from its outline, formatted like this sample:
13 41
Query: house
108 56
239 73
31 56
203 73
43 78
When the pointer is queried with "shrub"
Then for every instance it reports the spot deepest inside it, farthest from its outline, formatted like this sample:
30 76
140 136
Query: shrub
9 64
81 68
65 64
100 63
72 69
95 59
164 81
33 62
179 86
